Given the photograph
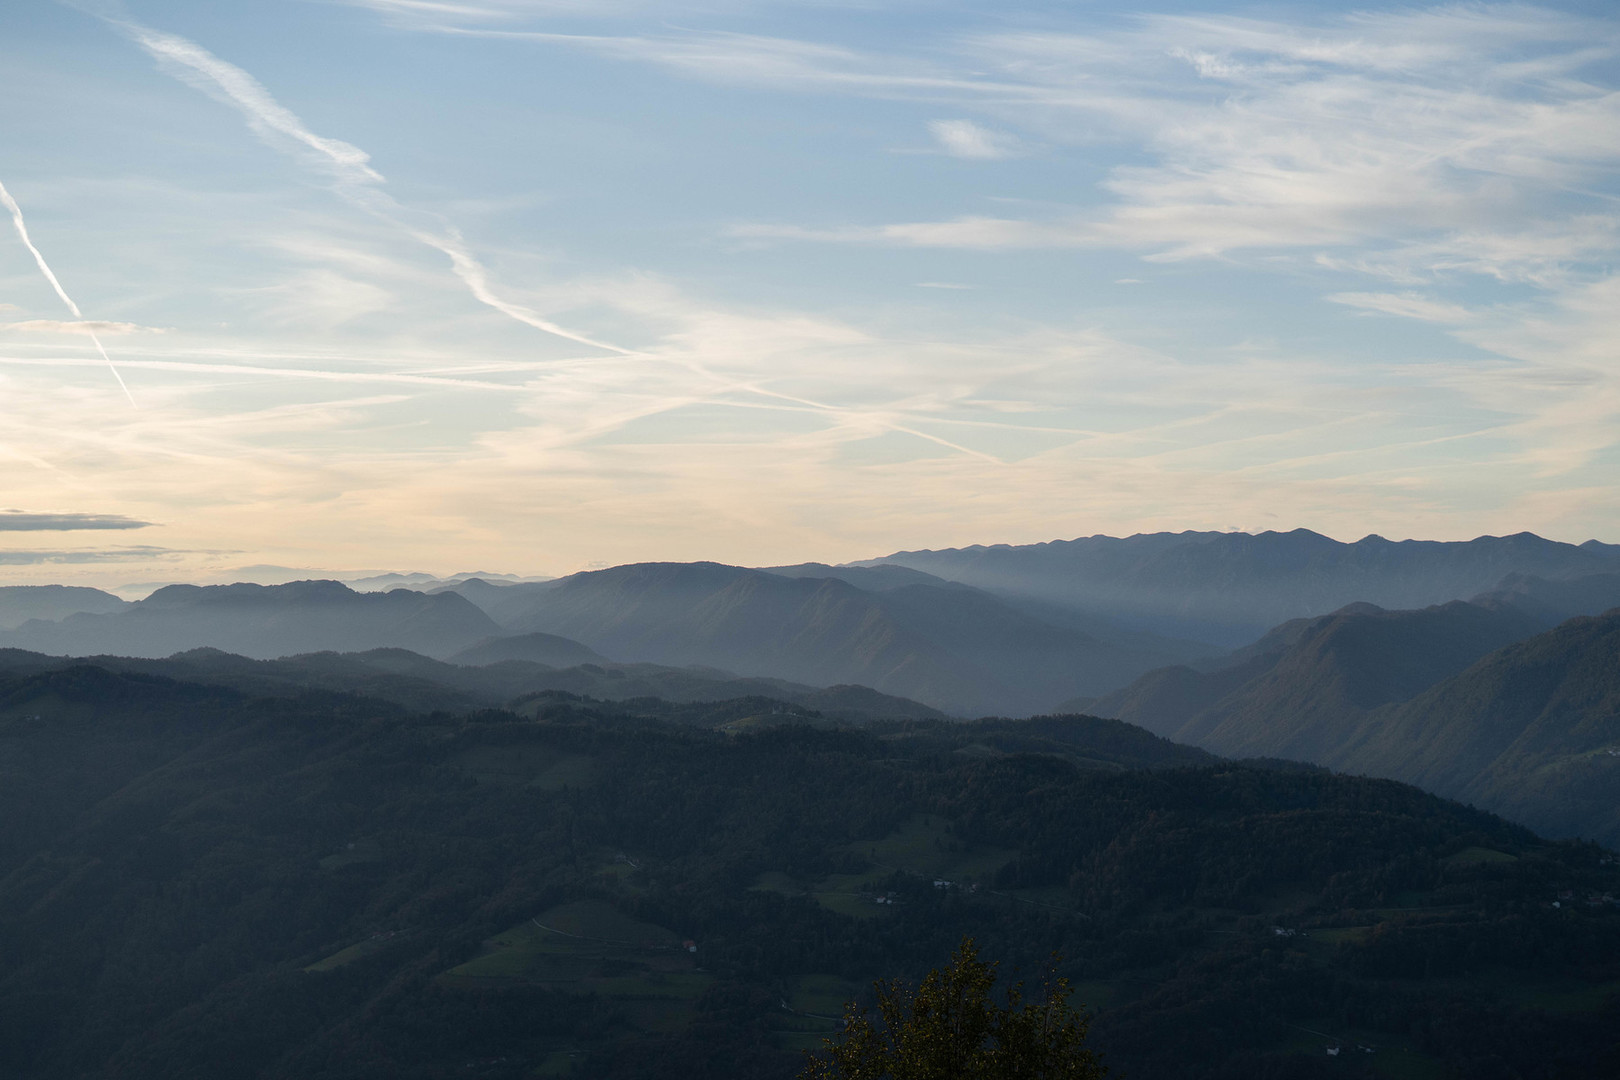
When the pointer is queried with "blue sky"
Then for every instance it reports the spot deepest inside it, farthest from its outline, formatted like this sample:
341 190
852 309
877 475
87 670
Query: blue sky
532 285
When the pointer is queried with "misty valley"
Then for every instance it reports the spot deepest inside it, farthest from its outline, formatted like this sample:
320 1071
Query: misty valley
1281 806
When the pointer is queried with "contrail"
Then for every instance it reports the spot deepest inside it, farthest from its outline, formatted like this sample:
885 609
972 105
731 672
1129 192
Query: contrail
356 181
350 166
45 268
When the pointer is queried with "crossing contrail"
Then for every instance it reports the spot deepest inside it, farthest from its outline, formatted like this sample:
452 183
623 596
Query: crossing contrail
45 268
350 167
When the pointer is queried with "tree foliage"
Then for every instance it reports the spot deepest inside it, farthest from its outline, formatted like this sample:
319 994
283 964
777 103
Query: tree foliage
951 1028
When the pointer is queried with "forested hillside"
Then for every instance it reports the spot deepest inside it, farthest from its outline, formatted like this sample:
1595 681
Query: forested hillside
198 882
1449 698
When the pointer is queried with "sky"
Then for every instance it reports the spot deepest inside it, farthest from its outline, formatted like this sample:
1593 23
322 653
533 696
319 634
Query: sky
533 286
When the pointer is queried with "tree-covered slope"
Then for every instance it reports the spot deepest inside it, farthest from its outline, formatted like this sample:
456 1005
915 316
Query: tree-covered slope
1296 691
1531 731
198 883
1455 699
1322 686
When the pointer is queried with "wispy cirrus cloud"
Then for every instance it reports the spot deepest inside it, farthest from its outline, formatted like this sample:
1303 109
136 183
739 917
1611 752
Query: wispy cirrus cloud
347 394
1401 143
141 554
24 521
84 327
1407 305
348 166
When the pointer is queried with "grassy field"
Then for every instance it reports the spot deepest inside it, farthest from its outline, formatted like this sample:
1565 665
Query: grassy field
817 1008
589 946
1475 855
361 851
823 995
1569 997
358 951
777 882
601 921
923 845
1394 1062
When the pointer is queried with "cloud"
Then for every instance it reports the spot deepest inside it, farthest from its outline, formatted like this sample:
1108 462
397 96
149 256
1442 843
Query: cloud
1421 141
109 555
747 430
50 275
966 139
980 233
1407 305
348 166
86 327
22 521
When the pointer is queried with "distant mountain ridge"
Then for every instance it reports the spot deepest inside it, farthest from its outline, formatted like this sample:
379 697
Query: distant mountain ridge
20 603
264 621
950 646
1228 588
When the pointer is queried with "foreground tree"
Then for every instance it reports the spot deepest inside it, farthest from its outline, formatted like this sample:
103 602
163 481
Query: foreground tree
950 1028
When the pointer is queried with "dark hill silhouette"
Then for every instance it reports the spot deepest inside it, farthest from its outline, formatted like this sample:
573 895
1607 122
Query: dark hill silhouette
1227 588
422 684
536 648
20 603
264 621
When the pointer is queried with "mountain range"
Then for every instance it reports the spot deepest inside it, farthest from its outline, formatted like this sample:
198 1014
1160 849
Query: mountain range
263 621
985 630
953 647
1226 589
